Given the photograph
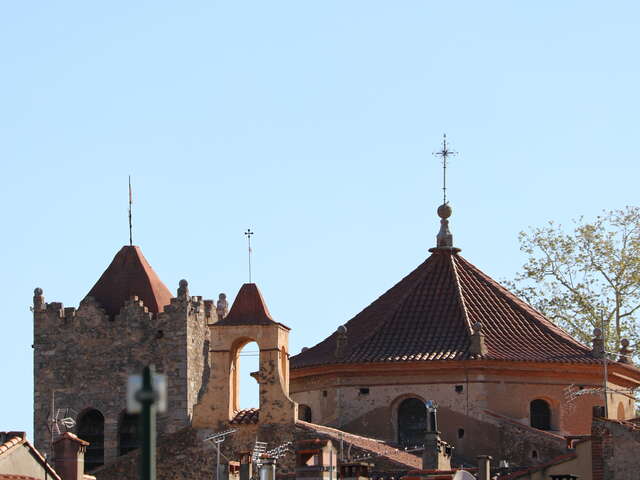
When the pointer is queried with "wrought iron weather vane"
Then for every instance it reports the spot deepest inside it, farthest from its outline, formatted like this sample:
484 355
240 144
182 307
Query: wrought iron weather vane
444 154
249 234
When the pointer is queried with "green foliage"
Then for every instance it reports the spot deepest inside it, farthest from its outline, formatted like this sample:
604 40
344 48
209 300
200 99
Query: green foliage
587 278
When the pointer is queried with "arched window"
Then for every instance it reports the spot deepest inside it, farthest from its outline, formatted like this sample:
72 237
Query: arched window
91 429
304 413
540 414
128 433
621 415
412 422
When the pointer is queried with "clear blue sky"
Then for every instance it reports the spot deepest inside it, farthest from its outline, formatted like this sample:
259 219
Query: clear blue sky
311 122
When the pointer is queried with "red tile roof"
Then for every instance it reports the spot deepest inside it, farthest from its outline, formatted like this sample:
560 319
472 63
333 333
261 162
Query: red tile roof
13 439
376 447
527 471
246 416
128 275
429 315
71 437
11 476
248 308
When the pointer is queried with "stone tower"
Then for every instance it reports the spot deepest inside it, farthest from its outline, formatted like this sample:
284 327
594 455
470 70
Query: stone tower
83 356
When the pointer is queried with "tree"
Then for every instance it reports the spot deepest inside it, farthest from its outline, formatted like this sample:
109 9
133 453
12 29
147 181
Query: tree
587 278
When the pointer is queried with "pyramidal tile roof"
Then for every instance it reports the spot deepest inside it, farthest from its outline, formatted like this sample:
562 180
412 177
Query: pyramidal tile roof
429 315
249 308
128 275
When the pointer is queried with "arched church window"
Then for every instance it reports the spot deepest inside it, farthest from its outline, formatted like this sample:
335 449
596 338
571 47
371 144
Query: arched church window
540 414
91 429
412 422
128 433
304 413
621 415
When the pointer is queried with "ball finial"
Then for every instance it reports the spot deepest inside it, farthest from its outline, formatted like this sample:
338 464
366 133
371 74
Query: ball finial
37 291
624 342
445 210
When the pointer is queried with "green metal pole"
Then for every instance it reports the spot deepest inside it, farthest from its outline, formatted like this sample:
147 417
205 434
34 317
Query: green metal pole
146 396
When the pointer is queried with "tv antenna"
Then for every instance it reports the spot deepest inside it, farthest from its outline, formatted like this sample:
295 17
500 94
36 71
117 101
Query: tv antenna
217 439
60 421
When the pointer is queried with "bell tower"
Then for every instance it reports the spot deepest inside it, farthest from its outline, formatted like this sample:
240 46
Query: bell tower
249 320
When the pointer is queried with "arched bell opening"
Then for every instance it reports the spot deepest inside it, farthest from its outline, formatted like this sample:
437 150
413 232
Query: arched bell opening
245 367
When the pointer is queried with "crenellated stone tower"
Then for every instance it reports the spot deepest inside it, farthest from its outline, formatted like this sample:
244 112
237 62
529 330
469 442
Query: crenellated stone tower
83 356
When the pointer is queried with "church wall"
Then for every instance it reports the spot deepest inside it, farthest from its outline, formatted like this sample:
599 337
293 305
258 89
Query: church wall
507 392
86 358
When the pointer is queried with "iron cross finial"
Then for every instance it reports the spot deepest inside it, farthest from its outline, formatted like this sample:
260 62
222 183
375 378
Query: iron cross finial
444 154
249 234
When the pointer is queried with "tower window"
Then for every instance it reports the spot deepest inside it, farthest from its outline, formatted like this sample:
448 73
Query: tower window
412 422
128 439
540 414
459 388
364 391
460 432
91 429
304 413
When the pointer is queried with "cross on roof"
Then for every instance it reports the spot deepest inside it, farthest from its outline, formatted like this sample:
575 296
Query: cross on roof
248 234
444 154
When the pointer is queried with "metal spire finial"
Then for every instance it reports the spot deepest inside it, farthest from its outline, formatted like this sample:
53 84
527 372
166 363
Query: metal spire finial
444 154
248 234
130 225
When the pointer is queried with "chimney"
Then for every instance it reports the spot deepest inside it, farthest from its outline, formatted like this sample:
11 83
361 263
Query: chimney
316 459
246 466
355 470
484 467
268 469
68 453
437 453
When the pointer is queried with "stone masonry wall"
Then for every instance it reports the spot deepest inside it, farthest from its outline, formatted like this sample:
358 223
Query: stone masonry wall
615 447
85 357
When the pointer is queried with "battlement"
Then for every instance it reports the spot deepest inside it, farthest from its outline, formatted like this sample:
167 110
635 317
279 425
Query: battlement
86 354
191 305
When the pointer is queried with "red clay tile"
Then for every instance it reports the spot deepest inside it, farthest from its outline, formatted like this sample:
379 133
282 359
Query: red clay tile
428 316
128 275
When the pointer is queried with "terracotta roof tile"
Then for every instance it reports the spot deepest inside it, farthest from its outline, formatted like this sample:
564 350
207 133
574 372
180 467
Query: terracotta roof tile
15 438
73 437
11 476
376 447
246 416
129 275
428 316
248 308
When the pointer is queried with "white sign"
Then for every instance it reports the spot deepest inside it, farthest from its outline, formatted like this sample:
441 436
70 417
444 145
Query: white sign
134 385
